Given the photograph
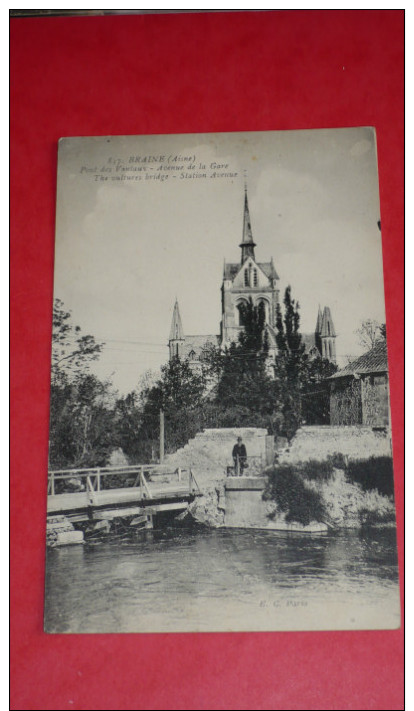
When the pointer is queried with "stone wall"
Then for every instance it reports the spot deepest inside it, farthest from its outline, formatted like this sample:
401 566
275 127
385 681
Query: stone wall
209 453
318 442
346 402
375 400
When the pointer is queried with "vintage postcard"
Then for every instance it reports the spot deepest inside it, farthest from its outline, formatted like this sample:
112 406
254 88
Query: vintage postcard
220 437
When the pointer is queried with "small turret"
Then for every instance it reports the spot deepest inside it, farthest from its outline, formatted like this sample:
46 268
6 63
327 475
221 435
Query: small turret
325 335
177 338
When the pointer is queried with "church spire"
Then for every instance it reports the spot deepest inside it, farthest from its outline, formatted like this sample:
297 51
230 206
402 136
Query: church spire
318 328
176 332
247 244
327 327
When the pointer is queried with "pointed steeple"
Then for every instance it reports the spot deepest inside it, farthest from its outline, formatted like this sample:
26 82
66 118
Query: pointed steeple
327 326
319 322
176 332
247 244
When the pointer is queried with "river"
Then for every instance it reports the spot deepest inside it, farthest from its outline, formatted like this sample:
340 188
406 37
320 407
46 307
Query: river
173 580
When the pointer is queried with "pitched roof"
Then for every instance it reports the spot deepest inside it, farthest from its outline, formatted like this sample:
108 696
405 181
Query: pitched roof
231 270
374 361
198 343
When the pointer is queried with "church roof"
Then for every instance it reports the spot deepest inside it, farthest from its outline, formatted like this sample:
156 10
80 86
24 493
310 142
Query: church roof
231 270
374 361
197 344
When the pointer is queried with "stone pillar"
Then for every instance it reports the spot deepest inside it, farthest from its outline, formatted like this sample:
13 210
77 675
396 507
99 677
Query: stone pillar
245 507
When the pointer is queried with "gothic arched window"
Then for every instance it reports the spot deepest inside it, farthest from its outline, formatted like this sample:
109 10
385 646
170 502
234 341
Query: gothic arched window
263 306
241 310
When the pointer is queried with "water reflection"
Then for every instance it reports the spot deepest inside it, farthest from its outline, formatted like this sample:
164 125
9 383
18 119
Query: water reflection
176 580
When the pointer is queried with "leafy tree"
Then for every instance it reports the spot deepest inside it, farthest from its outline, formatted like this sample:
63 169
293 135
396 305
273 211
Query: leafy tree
299 379
81 423
244 380
289 363
81 406
72 353
178 393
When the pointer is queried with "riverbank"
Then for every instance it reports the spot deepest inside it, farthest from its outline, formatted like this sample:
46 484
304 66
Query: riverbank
341 476
338 493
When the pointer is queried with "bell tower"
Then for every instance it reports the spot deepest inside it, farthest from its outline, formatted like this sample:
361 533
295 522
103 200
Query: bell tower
246 280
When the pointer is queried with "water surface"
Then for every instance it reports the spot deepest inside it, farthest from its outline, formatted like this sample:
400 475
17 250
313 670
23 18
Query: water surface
224 580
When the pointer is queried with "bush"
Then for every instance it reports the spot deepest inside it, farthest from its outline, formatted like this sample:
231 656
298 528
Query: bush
372 473
314 470
286 487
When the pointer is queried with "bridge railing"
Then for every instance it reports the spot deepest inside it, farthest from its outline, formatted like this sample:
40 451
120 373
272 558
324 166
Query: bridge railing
139 475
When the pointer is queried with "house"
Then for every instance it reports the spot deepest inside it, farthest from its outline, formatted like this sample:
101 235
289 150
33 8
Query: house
359 392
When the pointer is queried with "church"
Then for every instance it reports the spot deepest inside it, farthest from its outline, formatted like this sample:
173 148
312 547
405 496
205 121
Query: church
244 280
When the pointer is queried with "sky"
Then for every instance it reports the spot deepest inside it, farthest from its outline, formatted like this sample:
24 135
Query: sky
143 220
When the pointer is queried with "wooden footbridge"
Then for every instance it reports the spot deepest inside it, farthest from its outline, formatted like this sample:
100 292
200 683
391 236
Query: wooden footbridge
105 493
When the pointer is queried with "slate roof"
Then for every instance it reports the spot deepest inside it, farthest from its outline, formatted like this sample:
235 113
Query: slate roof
197 343
374 361
231 270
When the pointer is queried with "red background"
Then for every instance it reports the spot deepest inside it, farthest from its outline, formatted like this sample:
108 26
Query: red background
177 74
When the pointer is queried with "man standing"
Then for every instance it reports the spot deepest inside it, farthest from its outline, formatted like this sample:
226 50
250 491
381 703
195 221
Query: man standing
239 457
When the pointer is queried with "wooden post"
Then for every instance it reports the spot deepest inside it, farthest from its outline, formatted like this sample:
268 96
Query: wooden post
161 436
52 482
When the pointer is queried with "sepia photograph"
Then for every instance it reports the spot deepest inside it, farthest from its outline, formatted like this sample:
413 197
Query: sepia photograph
220 451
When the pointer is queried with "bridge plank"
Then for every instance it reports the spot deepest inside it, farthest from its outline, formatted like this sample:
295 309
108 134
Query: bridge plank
113 497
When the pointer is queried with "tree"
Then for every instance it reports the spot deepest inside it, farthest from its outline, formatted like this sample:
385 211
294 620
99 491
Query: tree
370 332
81 423
81 406
244 380
179 393
289 363
72 353
298 378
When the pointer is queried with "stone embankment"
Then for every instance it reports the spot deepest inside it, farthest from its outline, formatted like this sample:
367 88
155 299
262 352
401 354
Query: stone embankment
319 442
209 453
347 506
60 532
